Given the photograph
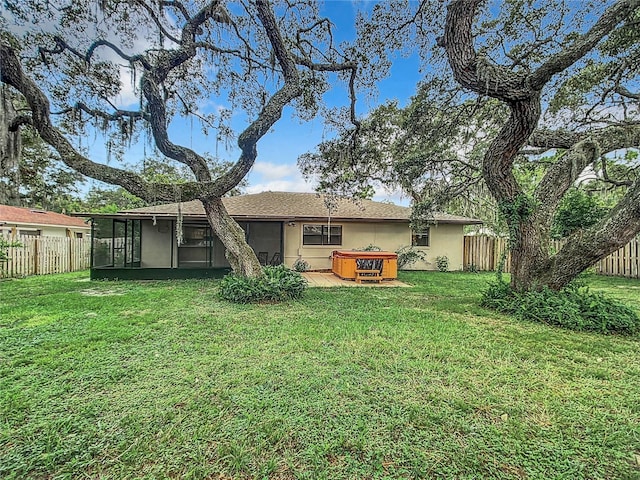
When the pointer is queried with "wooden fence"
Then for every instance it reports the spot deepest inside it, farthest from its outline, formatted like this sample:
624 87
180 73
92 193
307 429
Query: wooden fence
484 253
623 263
44 255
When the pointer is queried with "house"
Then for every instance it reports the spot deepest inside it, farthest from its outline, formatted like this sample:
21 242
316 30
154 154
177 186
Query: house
18 221
281 227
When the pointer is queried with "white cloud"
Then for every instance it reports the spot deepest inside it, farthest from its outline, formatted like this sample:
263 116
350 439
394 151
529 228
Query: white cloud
395 196
281 186
129 94
276 177
274 171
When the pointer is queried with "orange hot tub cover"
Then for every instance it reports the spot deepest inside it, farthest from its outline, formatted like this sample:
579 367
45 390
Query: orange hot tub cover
344 263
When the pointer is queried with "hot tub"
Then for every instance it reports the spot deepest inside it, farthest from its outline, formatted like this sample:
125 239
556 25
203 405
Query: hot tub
345 263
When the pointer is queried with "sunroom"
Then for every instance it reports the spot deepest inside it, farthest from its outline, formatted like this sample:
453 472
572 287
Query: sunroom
163 248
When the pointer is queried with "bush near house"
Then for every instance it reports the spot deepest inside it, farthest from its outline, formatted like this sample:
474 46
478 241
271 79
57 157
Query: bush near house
278 284
301 265
408 255
442 263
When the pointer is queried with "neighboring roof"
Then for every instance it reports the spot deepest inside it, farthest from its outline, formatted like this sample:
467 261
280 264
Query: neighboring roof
293 206
31 216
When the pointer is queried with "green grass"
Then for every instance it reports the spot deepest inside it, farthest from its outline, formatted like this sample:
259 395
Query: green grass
162 380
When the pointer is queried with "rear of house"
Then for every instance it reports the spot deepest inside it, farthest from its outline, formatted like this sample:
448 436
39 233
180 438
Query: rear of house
175 240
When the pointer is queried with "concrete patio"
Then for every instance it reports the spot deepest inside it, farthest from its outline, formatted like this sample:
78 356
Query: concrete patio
328 279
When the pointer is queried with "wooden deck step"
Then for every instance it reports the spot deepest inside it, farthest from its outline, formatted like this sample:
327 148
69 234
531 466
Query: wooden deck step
369 275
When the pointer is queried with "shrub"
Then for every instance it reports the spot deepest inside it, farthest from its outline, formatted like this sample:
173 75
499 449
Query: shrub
472 268
408 255
369 248
278 284
442 262
577 210
4 247
300 265
574 307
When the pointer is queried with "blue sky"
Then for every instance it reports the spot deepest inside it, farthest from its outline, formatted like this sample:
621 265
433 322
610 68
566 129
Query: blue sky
278 151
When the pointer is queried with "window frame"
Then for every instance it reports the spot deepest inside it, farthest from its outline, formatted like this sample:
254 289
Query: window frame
417 236
325 235
29 232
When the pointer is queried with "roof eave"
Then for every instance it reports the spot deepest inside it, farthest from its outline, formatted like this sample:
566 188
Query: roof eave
460 222
292 218
60 225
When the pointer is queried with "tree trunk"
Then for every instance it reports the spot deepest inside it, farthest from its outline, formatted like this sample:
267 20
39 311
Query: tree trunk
532 265
528 231
240 255
10 151
586 247
528 255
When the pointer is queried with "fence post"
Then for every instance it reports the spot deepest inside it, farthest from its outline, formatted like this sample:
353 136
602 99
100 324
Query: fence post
36 254
70 252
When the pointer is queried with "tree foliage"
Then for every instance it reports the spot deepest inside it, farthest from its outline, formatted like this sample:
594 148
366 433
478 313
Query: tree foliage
31 173
45 182
577 210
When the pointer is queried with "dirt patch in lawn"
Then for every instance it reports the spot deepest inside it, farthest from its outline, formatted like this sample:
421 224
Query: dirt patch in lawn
95 292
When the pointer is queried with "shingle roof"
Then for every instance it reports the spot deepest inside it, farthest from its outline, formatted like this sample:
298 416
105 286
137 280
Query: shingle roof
291 206
19 215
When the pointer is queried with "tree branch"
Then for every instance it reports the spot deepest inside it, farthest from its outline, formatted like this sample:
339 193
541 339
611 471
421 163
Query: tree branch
477 73
620 90
156 20
62 45
483 76
20 120
158 120
586 247
611 181
583 149
12 74
583 44
114 116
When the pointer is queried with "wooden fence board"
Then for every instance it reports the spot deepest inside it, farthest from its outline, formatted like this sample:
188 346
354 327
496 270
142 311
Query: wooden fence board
45 255
624 262
484 253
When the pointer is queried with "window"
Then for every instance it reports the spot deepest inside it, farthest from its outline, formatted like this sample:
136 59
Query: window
321 235
78 235
29 233
420 239
195 236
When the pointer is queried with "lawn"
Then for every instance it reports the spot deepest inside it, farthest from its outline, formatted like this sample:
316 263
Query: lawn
162 380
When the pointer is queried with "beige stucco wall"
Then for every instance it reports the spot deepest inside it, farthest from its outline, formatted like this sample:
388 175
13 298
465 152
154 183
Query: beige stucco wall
159 241
156 244
445 240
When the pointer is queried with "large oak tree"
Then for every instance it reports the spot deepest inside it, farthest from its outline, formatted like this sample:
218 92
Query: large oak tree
67 57
520 85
